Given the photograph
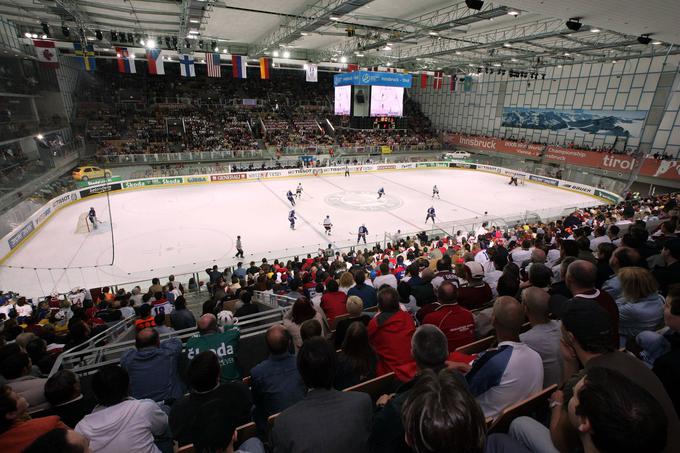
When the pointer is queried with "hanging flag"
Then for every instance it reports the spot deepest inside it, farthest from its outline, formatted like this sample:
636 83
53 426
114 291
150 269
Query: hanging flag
46 52
312 72
423 80
126 61
86 57
186 66
467 84
352 67
265 68
154 61
453 83
438 80
212 59
239 65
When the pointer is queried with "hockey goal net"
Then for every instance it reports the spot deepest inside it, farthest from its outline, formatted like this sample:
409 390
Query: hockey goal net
83 224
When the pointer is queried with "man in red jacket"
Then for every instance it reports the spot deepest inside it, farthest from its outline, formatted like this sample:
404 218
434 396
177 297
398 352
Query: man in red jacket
333 301
456 322
390 332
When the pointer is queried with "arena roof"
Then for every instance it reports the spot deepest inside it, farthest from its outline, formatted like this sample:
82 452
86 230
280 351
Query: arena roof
422 34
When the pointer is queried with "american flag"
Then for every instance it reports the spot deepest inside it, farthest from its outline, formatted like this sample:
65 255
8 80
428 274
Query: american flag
213 60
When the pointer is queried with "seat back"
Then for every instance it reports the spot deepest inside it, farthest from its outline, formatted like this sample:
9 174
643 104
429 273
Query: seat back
186 449
245 432
477 346
534 405
375 387
338 319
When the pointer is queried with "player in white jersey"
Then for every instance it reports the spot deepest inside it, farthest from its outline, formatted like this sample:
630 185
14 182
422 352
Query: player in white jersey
435 191
381 192
327 224
298 191
292 219
430 214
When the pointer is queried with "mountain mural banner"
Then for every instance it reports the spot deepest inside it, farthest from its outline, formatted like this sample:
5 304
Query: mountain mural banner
621 123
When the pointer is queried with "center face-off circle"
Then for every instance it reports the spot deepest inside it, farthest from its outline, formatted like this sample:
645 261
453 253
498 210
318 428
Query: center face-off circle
363 201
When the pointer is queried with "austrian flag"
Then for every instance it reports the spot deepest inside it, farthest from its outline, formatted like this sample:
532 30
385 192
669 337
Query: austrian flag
46 52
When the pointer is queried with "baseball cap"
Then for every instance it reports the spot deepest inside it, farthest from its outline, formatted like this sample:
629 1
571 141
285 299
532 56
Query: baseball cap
588 322
476 269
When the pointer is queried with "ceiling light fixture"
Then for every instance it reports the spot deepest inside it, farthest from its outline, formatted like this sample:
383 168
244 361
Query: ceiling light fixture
150 43
574 24
498 65
507 44
343 59
656 43
359 54
433 33
513 13
286 54
193 32
595 30
275 54
304 33
194 21
334 18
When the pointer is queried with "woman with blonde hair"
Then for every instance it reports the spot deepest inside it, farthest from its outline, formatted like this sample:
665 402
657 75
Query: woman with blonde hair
346 282
640 305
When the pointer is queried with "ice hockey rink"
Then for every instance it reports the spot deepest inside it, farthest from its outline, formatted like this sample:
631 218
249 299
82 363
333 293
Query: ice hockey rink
180 230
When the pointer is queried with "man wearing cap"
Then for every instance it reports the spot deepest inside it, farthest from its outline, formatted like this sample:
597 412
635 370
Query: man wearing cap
586 341
670 273
478 292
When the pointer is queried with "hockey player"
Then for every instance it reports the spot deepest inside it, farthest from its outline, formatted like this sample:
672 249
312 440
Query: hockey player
239 248
92 217
290 197
298 191
430 214
363 231
327 224
381 192
292 219
435 192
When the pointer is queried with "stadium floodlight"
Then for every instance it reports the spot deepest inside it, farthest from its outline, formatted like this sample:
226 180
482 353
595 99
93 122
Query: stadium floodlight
275 54
150 43
27 34
286 54
39 136
343 59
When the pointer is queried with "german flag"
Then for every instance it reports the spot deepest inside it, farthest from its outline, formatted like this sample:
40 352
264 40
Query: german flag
265 68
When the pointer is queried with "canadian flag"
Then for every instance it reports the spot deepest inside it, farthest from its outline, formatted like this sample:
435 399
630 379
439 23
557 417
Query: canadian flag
438 80
46 52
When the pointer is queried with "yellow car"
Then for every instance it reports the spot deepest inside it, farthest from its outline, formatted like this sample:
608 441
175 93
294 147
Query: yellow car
87 173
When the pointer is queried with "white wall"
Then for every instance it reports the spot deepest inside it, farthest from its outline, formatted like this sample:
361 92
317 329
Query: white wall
626 85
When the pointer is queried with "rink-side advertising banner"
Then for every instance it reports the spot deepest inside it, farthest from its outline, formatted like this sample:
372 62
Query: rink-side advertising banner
228 177
462 165
99 189
619 163
20 235
386 79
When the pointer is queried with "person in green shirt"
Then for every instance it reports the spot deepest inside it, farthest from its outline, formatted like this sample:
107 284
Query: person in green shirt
223 343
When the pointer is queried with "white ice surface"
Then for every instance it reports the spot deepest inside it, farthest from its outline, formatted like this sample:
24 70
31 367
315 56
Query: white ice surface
184 229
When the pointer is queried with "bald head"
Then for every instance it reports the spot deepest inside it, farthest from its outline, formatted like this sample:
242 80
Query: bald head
538 256
207 323
508 317
537 303
427 275
581 276
447 293
146 338
277 339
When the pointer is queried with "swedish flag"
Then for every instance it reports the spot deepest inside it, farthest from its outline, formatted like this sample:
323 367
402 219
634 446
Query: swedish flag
86 57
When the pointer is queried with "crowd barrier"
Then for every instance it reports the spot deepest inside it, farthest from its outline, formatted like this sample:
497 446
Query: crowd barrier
10 242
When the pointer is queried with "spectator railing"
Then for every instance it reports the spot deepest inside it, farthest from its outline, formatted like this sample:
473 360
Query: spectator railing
85 359
197 156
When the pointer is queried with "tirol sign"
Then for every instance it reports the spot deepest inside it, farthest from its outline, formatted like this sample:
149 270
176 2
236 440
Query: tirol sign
620 163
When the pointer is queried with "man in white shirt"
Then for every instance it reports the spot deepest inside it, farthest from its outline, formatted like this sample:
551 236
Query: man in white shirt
119 423
521 254
481 231
385 277
600 238
512 371
545 334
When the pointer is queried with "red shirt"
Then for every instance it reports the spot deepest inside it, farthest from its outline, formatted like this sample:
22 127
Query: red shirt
456 322
390 336
144 323
23 434
334 304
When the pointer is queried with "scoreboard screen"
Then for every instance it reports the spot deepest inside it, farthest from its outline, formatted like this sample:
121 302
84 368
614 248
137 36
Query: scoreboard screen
387 101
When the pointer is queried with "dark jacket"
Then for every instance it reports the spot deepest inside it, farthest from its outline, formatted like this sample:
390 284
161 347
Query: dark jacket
366 293
342 326
154 371
276 385
182 319
325 421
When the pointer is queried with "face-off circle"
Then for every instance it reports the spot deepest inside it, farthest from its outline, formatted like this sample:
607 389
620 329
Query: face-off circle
363 201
